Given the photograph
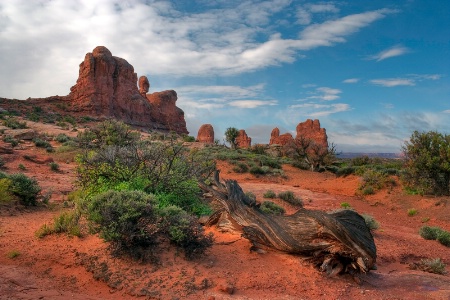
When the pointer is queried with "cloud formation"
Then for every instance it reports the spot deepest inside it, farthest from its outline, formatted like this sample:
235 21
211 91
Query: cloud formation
397 50
391 82
50 38
351 80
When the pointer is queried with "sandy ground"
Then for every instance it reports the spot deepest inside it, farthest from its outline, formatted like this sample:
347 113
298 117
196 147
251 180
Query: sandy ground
60 267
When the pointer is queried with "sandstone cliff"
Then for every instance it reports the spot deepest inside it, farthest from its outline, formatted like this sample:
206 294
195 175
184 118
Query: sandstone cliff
308 130
243 140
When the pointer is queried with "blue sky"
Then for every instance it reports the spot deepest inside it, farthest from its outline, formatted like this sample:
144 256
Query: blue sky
371 71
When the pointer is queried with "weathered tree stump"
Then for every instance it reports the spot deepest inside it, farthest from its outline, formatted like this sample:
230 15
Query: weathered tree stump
337 242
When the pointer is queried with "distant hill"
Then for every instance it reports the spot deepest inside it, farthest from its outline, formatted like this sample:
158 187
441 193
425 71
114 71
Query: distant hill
371 155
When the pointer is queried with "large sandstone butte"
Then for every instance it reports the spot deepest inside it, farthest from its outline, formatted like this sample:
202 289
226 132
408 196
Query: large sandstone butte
308 130
107 88
243 140
206 134
311 130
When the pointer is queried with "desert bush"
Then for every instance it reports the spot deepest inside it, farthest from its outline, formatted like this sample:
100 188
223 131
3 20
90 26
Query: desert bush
412 212
184 231
41 143
230 136
240 167
2 162
13 254
345 171
26 189
67 222
22 167
371 223
269 194
126 219
6 196
54 166
427 162
257 170
360 161
345 205
443 237
9 139
432 265
14 123
289 197
43 231
62 138
269 207
429 233
188 138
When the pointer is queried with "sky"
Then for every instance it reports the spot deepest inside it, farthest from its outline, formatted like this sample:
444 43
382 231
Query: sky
371 71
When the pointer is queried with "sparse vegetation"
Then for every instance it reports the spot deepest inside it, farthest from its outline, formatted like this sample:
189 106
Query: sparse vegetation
371 223
345 205
412 212
432 265
13 254
269 207
22 167
14 123
24 188
289 197
9 139
54 166
269 194
435 233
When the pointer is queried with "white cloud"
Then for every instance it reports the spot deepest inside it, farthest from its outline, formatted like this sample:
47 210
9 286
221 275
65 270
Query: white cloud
46 40
305 13
326 7
323 93
447 111
391 82
351 80
320 110
253 103
226 91
391 52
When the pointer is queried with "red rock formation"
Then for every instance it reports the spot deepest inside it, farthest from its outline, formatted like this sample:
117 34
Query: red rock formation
311 130
277 139
243 140
107 88
206 134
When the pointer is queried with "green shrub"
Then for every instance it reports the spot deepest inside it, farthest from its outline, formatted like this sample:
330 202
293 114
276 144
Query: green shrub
432 265
368 190
25 188
256 170
2 162
43 231
412 212
269 194
6 195
188 138
184 231
126 219
41 143
429 233
345 171
14 123
11 140
22 167
371 223
54 166
289 197
67 222
13 254
240 167
62 138
443 237
345 205
271 208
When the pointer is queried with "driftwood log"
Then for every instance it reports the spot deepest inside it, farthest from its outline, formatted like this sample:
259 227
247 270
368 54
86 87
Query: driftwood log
337 242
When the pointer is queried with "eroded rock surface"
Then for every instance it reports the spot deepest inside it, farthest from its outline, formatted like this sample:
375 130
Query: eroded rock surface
243 140
311 130
206 134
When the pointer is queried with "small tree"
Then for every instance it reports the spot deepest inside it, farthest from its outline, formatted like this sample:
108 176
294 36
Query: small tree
230 136
427 162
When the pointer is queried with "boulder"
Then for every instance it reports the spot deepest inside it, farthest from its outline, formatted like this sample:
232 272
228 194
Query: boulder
206 134
243 140
21 134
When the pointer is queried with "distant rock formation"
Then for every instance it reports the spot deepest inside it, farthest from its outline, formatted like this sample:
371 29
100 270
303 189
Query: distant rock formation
243 140
311 130
107 88
206 134
277 139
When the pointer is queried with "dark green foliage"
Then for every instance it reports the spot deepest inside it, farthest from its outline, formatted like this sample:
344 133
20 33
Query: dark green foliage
427 162
188 138
54 166
360 161
269 207
132 223
41 143
289 197
11 140
443 237
429 233
230 136
126 219
257 170
345 171
269 194
14 123
25 188
184 231
62 138
2 162
240 167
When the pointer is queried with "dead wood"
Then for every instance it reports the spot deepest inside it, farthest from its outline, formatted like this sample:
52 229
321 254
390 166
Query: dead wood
337 242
